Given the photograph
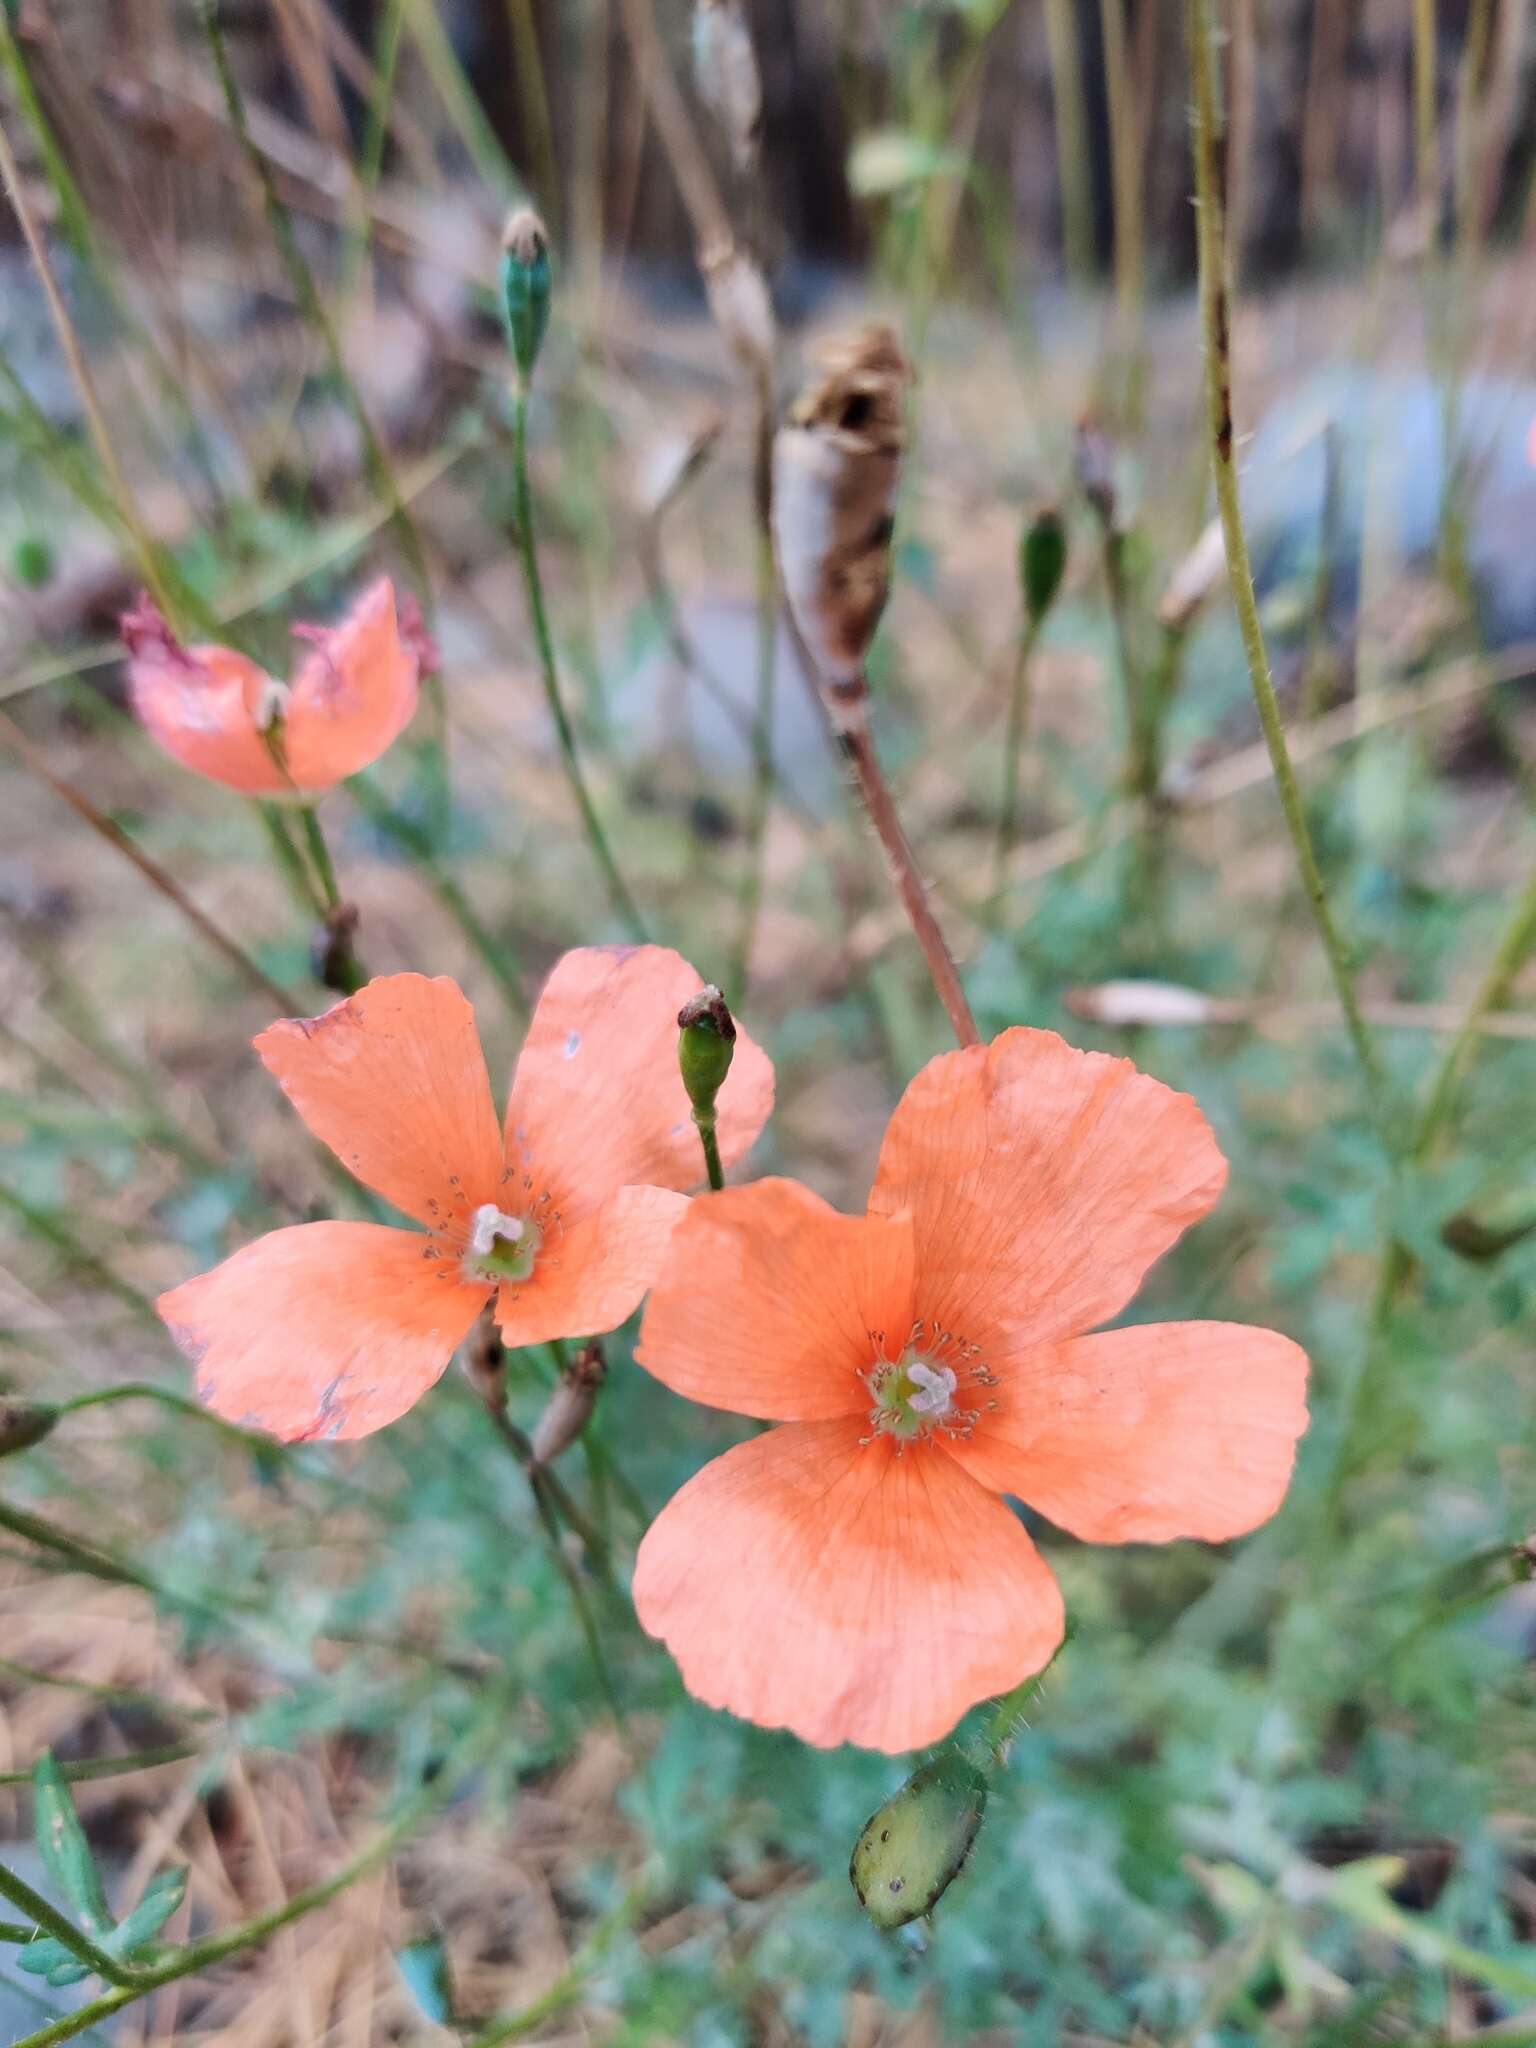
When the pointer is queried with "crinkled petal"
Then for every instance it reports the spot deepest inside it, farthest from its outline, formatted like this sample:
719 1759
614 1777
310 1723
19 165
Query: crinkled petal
1042 1183
850 1592
1146 1434
322 1330
772 1304
199 705
591 1275
597 1101
394 1081
353 695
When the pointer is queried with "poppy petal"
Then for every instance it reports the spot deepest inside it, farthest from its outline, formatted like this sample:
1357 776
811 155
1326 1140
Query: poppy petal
322 1330
846 1591
772 1304
199 705
594 1274
1042 1183
353 696
597 1100
1147 1434
394 1081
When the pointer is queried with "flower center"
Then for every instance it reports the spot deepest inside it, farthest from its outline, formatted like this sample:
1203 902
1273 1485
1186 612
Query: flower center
923 1390
501 1247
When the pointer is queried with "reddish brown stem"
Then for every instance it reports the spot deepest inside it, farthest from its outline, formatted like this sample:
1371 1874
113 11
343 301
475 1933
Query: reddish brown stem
859 751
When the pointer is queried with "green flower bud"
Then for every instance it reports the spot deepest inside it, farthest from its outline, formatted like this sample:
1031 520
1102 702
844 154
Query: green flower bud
24 1423
33 561
915 1846
525 287
1485 1230
706 1045
1042 562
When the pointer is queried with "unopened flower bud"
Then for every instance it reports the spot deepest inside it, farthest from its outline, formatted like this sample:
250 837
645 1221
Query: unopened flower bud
1042 562
915 1846
739 303
1485 1230
24 1423
525 287
570 1404
837 464
706 1045
333 954
725 72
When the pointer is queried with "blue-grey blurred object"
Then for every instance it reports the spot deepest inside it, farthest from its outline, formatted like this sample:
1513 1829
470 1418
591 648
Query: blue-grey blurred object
1356 460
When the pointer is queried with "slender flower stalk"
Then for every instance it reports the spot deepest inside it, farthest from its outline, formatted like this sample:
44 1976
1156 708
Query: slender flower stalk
525 301
1216 328
1515 948
1042 563
32 758
836 467
706 1045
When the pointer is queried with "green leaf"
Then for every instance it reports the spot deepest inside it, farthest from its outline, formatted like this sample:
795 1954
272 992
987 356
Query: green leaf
161 1898
62 1845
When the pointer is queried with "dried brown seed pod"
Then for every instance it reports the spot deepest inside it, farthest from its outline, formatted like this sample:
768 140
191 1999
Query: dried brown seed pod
837 464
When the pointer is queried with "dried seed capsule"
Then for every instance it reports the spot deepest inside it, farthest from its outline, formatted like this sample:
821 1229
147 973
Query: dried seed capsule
570 1403
915 1846
837 464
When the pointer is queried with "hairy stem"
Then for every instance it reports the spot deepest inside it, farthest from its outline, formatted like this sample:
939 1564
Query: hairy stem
1216 330
527 547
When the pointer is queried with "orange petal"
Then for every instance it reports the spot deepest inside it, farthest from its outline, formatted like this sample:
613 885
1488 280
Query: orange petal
1142 1435
323 1330
851 1593
199 704
1042 1182
353 696
394 1081
597 1101
590 1275
770 1303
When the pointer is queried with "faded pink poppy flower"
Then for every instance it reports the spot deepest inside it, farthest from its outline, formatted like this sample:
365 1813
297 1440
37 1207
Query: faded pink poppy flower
220 714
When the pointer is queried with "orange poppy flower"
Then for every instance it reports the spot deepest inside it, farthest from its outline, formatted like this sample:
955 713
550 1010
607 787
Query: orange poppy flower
335 1329
854 1576
220 714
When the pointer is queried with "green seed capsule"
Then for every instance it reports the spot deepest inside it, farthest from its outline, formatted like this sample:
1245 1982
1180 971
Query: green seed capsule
915 1846
525 287
1042 562
706 1044
24 1423
1485 1230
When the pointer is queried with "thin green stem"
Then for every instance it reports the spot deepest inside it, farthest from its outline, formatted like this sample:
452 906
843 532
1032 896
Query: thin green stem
1216 329
527 547
1013 750
567 1986
762 767
307 292
710 1140
17 1892
1492 993
486 1732
79 1255
179 1404
320 855
287 859
92 1769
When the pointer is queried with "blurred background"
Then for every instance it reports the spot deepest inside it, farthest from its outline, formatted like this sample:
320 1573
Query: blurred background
250 351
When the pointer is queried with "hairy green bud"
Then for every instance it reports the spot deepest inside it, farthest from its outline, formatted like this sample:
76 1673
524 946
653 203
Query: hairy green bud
525 287
915 1846
706 1045
24 1423
1042 562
